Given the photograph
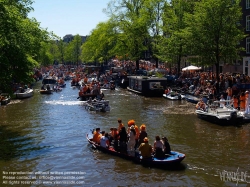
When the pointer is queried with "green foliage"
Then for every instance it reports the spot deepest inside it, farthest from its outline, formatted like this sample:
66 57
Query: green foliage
20 39
214 32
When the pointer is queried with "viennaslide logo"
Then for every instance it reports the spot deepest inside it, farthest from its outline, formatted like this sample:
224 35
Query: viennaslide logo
235 176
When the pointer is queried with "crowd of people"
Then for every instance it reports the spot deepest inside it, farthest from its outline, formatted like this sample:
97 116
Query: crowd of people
131 140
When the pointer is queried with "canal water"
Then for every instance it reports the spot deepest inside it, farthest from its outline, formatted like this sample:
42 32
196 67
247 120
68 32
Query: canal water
47 134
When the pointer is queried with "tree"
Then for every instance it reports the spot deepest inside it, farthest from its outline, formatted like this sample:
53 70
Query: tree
73 50
153 15
214 31
131 27
101 44
20 42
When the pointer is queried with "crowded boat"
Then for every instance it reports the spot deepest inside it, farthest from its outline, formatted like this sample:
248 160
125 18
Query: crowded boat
133 142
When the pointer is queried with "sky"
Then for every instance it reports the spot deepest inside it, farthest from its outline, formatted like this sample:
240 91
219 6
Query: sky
69 16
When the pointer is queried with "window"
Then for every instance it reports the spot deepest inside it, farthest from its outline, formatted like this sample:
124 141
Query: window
248 45
247 4
248 23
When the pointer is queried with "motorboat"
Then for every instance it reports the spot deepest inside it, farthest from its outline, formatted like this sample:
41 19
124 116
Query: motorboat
98 105
22 93
224 116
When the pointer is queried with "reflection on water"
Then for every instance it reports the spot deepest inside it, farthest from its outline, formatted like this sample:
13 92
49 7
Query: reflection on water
47 133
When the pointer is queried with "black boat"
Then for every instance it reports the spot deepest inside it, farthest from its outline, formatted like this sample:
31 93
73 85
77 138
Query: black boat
147 86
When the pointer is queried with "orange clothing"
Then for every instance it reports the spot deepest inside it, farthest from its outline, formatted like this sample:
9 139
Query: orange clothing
96 137
137 132
242 102
230 92
235 102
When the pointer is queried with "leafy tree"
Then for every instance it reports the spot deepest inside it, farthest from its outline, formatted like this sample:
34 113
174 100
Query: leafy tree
20 41
153 15
101 44
73 50
131 27
214 31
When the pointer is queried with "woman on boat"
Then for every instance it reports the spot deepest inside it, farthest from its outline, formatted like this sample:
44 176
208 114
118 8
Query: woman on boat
158 147
142 134
167 149
131 140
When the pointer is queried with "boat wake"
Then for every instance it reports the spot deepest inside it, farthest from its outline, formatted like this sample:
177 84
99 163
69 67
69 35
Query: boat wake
66 102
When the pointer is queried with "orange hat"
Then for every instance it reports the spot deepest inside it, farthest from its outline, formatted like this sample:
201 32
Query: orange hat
143 127
131 122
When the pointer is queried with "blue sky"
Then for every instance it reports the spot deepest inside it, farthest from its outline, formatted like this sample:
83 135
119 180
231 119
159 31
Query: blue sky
69 16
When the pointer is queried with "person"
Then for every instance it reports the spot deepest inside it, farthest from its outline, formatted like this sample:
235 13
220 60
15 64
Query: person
111 135
201 105
242 101
247 98
43 87
158 147
116 139
48 87
131 140
229 92
145 149
123 137
142 134
96 135
222 104
235 102
120 124
104 140
167 149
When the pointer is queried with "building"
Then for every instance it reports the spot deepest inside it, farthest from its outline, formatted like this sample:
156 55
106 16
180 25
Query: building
245 4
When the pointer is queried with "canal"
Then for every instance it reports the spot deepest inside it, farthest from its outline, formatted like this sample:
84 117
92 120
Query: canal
46 134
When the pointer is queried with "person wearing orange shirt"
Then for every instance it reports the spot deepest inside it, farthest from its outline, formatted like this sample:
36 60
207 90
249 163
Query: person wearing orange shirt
120 124
235 102
242 101
96 135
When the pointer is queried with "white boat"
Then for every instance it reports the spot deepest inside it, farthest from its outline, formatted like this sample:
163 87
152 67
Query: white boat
98 105
172 97
222 116
24 93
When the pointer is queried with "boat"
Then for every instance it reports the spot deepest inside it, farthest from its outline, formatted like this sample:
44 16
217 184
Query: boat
225 116
174 95
4 98
98 105
191 98
172 159
51 81
22 93
46 91
147 86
